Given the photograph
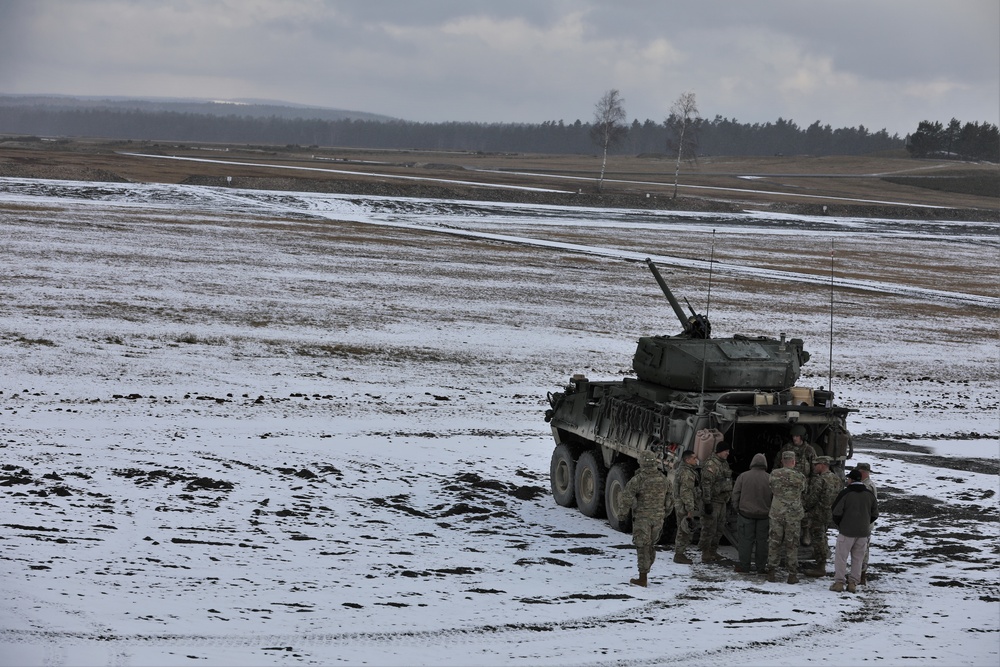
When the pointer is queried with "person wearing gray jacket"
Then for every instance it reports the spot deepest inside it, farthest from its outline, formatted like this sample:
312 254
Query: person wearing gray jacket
854 512
752 502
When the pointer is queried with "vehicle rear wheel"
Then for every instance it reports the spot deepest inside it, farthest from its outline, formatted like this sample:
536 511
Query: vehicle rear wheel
561 476
618 477
589 482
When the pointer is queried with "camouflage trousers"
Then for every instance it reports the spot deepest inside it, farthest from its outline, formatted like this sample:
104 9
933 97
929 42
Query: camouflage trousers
645 535
684 533
711 528
818 524
783 541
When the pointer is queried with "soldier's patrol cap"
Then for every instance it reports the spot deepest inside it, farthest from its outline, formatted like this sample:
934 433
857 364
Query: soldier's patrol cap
787 456
824 459
863 466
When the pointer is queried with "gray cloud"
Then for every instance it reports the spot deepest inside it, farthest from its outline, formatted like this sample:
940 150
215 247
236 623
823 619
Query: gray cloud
880 63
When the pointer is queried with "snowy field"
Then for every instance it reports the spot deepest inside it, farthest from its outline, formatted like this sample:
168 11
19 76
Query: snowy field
270 428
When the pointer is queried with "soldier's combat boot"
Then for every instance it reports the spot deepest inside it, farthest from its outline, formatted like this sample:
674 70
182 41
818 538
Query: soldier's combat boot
641 581
852 587
769 574
818 571
679 557
864 578
837 587
708 557
792 578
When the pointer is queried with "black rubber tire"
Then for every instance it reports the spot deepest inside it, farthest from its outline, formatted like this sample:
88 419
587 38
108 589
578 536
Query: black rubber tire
561 475
589 484
618 477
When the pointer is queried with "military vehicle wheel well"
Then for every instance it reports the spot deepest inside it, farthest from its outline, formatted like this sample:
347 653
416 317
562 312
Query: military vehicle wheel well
575 443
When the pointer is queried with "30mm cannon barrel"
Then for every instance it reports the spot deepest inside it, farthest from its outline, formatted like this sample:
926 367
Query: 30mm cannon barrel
688 327
695 326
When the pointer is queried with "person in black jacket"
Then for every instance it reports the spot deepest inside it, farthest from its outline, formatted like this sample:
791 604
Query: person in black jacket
854 512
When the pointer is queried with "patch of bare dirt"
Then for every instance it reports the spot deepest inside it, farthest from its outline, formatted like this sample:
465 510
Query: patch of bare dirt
794 185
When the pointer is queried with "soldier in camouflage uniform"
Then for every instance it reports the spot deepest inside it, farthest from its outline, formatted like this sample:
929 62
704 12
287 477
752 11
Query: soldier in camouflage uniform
645 495
788 486
685 497
716 490
823 489
805 458
805 454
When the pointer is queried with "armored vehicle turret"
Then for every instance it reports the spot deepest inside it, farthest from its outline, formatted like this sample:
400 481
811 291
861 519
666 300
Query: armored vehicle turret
693 361
742 388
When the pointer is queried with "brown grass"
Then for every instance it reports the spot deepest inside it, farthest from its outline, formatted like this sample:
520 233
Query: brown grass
781 181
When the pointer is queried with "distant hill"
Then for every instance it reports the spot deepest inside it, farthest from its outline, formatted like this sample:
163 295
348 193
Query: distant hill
239 107
270 122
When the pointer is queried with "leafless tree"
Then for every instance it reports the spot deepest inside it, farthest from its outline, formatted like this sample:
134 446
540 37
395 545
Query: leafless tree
683 120
609 126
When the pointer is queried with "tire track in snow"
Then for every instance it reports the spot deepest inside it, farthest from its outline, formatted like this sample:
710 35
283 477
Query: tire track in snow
407 213
818 639
355 212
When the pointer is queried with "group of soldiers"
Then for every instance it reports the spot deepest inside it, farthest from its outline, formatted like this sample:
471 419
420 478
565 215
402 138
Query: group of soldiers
775 512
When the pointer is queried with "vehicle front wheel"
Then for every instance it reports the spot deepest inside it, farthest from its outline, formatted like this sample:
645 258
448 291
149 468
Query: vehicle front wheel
589 482
561 473
618 477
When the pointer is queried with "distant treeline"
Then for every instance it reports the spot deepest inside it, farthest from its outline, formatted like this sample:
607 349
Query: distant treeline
719 136
972 141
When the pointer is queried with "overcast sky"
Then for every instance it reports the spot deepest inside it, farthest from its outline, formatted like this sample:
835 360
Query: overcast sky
878 63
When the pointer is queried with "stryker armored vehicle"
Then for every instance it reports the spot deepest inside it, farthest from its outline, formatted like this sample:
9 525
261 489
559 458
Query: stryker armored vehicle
687 386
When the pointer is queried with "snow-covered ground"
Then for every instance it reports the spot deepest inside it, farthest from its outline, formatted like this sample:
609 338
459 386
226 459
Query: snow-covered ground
263 428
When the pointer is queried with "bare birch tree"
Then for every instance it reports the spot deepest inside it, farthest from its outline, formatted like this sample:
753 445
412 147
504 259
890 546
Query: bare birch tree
609 126
683 120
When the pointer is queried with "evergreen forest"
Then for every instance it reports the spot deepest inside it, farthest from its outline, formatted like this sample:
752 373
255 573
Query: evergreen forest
718 136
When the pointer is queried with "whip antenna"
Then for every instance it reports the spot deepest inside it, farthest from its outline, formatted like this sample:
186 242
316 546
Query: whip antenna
830 377
708 306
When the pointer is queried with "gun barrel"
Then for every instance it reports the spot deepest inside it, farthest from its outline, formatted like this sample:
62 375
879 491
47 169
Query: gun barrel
670 296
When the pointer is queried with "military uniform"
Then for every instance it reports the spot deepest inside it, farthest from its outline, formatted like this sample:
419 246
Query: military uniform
822 491
646 496
685 499
716 490
805 458
788 487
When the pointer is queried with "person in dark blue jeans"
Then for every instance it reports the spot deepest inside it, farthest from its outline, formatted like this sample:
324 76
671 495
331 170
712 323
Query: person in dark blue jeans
752 502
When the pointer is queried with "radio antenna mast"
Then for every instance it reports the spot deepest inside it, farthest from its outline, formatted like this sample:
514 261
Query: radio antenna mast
708 306
830 376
